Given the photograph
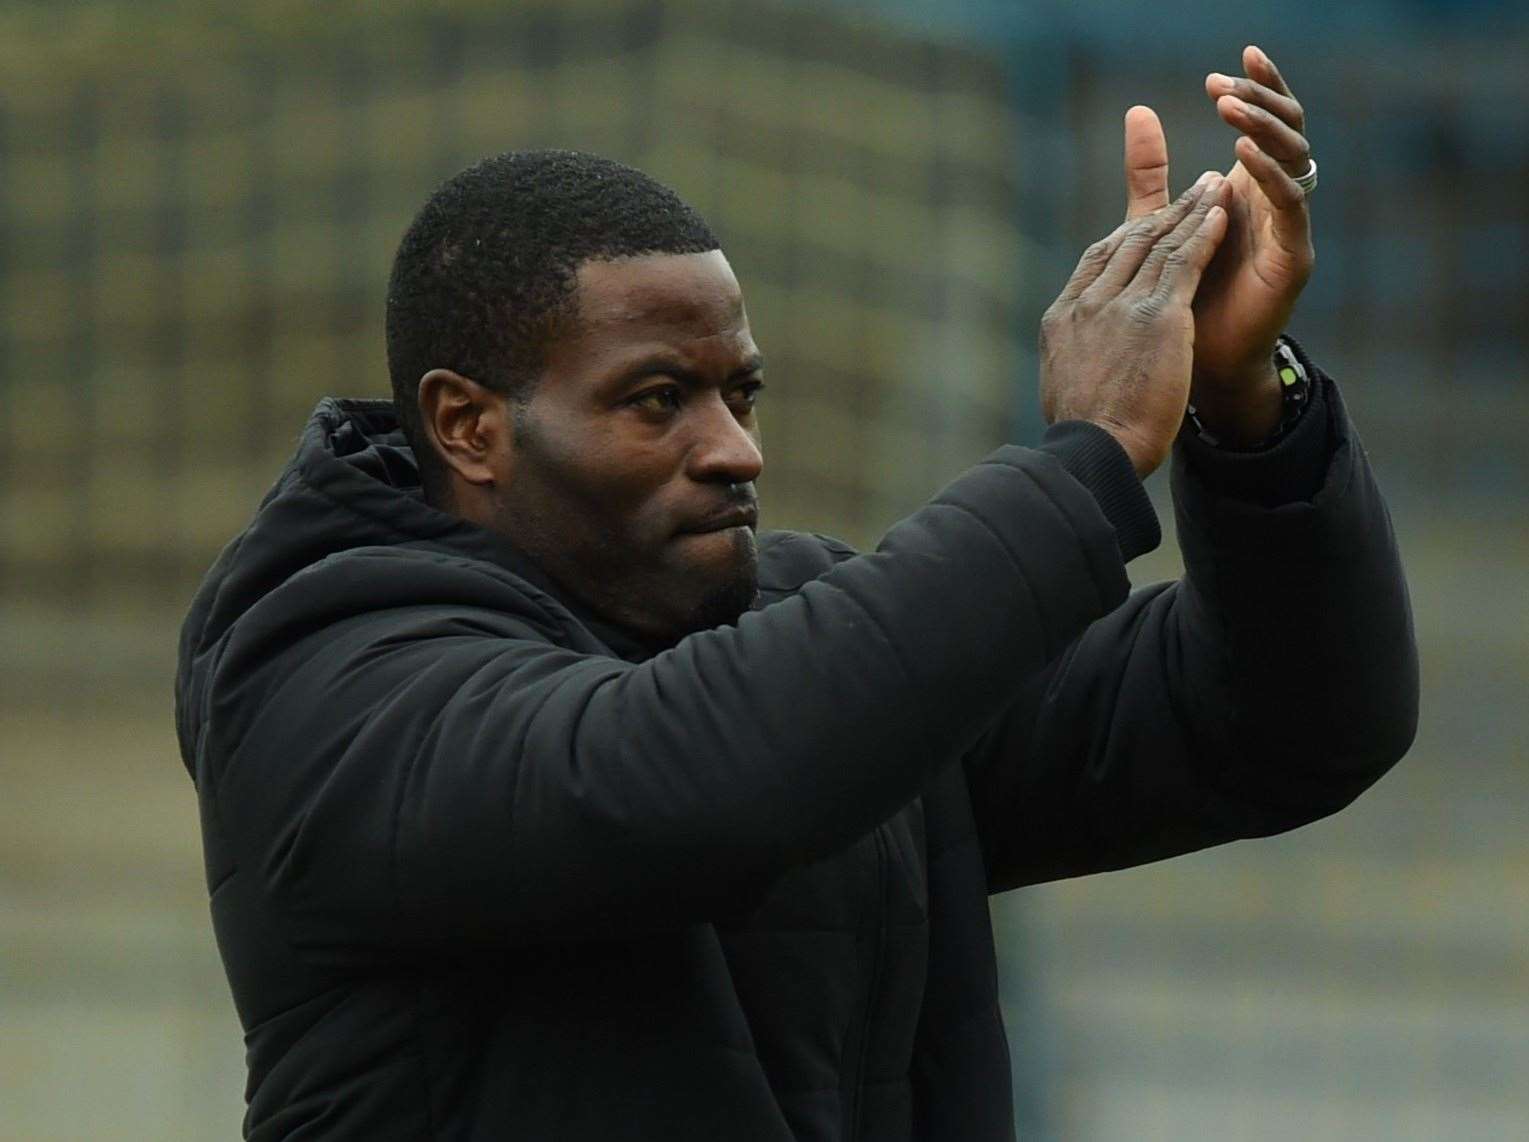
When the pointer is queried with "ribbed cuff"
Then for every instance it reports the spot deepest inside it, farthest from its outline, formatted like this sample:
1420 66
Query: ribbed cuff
1097 461
1290 471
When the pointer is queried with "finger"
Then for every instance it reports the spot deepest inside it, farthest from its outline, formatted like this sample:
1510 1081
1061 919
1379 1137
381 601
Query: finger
1140 236
1256 62
1146 162
1152 268
1272 135
1282 107
1290 218
1098 255
1185 266
1092 263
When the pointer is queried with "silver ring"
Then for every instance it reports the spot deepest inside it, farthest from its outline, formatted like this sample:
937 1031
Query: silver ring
1308 181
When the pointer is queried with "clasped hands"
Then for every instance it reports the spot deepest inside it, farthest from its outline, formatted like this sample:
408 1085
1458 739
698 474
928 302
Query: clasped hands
1186 299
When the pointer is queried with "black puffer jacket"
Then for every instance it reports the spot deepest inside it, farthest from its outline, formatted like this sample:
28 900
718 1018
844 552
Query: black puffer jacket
484 868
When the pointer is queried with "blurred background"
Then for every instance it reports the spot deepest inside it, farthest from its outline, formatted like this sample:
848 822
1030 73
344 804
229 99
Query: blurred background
198 208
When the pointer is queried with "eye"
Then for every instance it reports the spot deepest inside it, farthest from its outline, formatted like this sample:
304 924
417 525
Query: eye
660 401
746 395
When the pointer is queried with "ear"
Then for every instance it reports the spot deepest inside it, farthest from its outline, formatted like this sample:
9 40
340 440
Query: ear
467 423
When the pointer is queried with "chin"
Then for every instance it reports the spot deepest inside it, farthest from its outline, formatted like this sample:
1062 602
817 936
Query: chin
727 588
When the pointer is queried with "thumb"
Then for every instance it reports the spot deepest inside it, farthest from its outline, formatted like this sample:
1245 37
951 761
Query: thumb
1146 162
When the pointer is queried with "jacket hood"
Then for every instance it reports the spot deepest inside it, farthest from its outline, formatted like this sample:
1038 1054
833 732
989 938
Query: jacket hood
352 483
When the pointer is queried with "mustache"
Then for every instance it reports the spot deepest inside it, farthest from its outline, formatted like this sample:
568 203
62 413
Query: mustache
738 506
740 496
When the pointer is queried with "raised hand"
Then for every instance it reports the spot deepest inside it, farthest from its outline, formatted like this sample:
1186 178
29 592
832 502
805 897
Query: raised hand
1251 287
1116 347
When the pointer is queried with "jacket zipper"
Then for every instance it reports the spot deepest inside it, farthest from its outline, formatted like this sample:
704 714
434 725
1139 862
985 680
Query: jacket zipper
857 1092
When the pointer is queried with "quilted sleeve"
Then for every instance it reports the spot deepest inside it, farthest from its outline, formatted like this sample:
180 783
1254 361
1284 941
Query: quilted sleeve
429 773
1269 687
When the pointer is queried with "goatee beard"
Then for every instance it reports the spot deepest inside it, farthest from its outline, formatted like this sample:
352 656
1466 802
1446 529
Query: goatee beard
725 602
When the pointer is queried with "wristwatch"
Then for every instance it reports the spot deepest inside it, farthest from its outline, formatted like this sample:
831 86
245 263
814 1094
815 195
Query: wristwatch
1295 388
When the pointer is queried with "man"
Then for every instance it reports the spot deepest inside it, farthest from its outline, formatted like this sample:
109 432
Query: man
544 797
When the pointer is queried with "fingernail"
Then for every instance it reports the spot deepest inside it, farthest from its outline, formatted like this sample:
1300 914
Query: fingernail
1218 79
1205 178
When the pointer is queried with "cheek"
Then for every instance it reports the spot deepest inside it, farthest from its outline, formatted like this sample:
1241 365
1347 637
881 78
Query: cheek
610 477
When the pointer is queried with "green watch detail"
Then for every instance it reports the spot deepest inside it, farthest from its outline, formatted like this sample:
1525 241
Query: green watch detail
1295 388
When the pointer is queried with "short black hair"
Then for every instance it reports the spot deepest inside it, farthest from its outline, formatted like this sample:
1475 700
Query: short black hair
487 271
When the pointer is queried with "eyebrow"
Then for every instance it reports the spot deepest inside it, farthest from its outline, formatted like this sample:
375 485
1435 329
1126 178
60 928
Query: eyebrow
661 363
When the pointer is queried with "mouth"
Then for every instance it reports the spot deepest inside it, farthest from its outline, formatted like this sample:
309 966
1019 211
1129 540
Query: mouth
723 520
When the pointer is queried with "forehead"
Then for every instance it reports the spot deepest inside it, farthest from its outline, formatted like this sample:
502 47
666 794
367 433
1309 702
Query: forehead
694 293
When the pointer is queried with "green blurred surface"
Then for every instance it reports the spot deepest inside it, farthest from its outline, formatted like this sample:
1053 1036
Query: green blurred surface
198 206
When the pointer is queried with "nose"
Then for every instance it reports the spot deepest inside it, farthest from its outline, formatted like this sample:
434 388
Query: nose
725 449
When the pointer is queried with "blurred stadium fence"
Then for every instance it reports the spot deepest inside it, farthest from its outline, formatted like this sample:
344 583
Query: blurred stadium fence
196 235
198 207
